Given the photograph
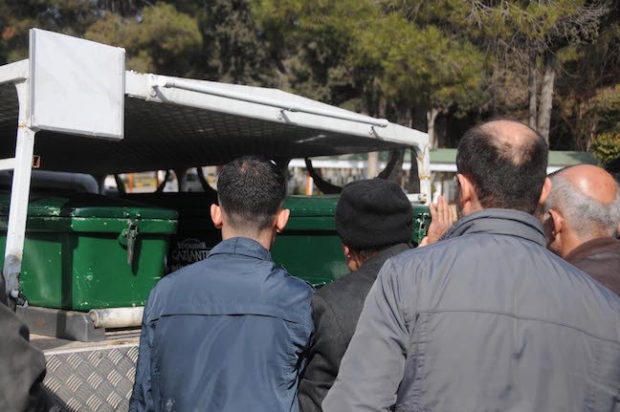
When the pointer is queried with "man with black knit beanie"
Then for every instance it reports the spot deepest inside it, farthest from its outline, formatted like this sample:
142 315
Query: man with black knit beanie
374 222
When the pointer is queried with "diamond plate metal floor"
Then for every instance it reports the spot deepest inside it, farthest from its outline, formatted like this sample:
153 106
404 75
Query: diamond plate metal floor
94 377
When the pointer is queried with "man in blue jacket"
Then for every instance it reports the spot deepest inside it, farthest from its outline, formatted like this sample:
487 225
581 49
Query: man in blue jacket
229 333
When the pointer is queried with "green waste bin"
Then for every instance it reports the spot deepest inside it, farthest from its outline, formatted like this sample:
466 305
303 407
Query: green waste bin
85 251
308 248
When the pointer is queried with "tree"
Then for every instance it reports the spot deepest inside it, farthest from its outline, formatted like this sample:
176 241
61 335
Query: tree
417 62
542 29
62 16
606 146
211 39
389 62
310 43
588 86
435 71
536 31
162 39
232 48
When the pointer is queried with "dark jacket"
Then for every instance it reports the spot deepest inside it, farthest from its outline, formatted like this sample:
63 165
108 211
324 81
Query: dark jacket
599 258
22 366
486 320
335 310
226 334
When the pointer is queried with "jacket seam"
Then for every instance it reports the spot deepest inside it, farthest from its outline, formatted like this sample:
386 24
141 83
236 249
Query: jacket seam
590 400
182 313
337 321
512 315
420 361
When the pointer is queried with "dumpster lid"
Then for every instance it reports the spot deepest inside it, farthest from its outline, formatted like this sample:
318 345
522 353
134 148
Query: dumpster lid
187 204
325 205
86 205
312 206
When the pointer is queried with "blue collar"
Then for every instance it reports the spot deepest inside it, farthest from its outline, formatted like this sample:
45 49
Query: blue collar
241 246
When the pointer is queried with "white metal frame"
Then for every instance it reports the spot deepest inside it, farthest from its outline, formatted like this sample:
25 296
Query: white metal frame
90 76
18 74
260 104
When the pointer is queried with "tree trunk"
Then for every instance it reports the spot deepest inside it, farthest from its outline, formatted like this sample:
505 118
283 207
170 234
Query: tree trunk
365 102
546 95
591 135
373 157
382 112
372 169
533 88
403 116
431 116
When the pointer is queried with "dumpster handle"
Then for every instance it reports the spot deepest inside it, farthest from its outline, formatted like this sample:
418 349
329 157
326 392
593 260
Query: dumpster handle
128 238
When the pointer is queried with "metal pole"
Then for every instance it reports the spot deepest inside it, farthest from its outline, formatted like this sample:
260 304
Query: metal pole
162 81
19 198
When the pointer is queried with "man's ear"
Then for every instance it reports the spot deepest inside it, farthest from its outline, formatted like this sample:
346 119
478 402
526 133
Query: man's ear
546 189
557 222
346 251
216 216
467 189
282 219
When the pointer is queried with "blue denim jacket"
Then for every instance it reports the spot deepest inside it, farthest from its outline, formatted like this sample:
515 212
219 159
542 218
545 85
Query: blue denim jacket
228 333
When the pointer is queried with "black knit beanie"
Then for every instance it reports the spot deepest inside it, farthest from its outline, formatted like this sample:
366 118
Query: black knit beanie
372 214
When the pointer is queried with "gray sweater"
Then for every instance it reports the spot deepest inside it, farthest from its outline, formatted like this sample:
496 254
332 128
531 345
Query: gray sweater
486 320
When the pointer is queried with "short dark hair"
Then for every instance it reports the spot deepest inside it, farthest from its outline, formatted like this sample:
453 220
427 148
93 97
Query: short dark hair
251 190
505 174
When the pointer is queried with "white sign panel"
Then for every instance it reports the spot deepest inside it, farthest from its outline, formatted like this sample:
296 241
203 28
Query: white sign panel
76 86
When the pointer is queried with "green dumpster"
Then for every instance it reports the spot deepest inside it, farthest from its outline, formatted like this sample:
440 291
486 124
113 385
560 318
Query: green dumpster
87 251
308 248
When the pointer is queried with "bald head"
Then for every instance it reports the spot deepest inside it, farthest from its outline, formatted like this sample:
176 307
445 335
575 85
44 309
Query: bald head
514 141
592 182
588 201
506 162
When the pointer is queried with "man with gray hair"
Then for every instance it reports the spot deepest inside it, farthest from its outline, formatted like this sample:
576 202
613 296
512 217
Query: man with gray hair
581 222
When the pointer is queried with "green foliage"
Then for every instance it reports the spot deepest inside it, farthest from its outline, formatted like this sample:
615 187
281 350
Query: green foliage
402 60
605 108
232 49
363 48
606 146
164 40
311 41
426 67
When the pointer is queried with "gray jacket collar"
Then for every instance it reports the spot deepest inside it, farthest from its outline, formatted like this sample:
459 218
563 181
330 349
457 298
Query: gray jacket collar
500 222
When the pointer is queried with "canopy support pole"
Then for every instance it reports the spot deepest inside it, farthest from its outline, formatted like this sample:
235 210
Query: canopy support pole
20 192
